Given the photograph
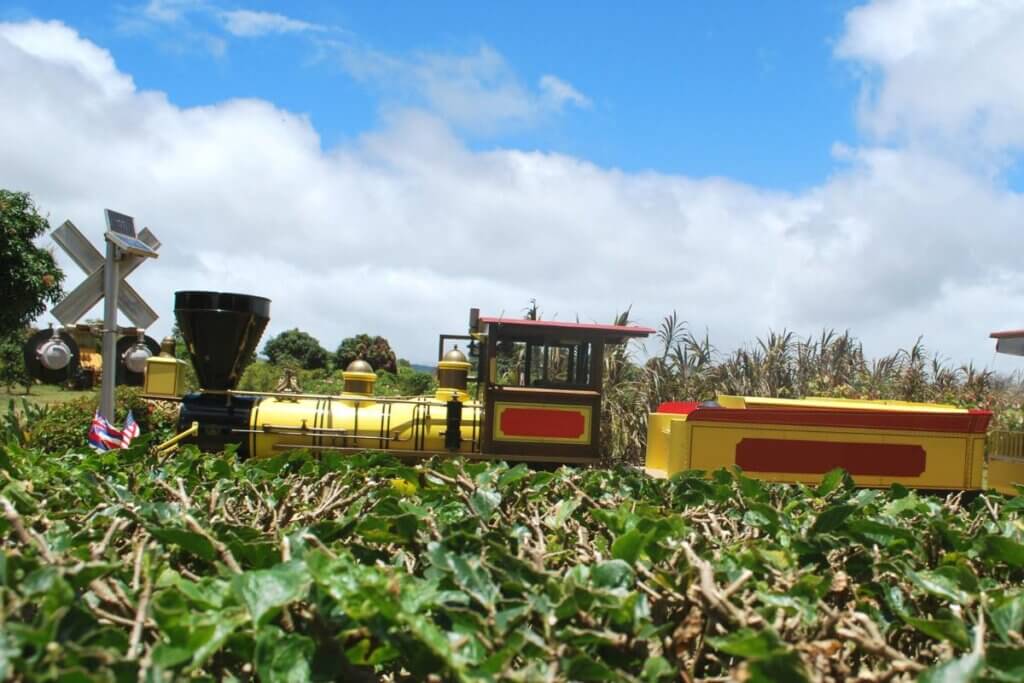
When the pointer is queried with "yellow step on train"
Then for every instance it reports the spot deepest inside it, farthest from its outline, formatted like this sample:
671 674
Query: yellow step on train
537 398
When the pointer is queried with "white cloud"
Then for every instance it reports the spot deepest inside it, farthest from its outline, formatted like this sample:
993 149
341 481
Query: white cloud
169 11
404 229
172 27
57 50
251 24
559 93
942 72
479 92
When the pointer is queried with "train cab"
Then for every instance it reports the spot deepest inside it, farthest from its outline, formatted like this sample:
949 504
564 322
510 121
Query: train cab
541 382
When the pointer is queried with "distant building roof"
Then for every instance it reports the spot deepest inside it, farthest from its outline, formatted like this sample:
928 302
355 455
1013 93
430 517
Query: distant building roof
1008 334
1010 341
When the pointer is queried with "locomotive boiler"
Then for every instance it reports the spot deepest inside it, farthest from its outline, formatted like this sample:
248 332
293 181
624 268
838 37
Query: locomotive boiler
537 391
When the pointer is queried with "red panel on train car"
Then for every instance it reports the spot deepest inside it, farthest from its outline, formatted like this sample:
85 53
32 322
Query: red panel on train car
541 423
818 457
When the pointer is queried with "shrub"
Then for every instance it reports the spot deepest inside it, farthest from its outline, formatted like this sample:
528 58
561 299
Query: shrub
65 426
12 362
260 376
407 382
363 568
321 382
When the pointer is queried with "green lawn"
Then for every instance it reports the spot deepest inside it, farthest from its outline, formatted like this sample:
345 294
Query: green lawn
41 394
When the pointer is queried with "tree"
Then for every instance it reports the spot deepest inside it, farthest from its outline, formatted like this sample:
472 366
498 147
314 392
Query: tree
29 276
374 350
12 362
300 346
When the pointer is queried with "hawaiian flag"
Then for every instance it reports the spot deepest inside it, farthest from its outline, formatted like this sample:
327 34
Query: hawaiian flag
130 431
104 436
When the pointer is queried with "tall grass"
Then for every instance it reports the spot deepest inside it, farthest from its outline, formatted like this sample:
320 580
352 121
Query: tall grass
684 366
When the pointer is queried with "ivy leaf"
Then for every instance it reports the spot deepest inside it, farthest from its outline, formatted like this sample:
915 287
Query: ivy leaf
770 660
511 476
484 502
192 542
468 575
1005 663
749 643
962 670
612 574
831 518
167 656
629 545
9 651
283 658
1008 617
942 629
657 669
778 668
1003 549
563 510
830 482
763 516
211 630
265 590
939 584
585 668
884 535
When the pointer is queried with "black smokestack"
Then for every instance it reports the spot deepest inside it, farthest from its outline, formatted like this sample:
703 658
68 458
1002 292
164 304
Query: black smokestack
221 331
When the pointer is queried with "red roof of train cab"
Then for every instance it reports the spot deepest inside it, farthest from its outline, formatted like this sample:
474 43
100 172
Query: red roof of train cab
608 331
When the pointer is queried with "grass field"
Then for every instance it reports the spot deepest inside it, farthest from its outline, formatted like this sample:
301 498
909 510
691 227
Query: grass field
42 394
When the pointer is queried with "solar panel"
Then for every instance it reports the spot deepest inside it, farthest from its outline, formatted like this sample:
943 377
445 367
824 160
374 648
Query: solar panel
120 223
131 245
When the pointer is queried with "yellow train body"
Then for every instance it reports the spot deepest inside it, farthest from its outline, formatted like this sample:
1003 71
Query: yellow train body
926 446
351 421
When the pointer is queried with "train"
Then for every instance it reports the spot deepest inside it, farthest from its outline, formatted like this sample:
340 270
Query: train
71 356
531 391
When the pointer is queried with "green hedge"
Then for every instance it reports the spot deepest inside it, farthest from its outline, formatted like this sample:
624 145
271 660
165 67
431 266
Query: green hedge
120 567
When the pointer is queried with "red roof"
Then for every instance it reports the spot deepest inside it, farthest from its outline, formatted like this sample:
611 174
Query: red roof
1008 334
621 330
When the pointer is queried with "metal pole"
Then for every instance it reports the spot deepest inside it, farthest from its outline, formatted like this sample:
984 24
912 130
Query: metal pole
110 280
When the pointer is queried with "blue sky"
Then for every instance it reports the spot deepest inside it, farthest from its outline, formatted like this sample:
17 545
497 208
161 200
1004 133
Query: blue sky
382 167
744 90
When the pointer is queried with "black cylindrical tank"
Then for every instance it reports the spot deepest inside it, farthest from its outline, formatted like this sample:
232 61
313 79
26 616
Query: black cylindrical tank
221 331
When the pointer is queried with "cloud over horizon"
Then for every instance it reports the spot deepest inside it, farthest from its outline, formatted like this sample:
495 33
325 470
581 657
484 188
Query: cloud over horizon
250 24
401 230
479 92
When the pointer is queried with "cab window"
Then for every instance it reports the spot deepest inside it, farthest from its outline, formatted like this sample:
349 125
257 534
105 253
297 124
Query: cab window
533 363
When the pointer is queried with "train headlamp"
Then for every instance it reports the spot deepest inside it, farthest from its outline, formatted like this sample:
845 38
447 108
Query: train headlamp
136 356
54 354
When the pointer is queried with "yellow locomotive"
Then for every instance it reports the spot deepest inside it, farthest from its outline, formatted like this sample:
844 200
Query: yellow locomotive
537 398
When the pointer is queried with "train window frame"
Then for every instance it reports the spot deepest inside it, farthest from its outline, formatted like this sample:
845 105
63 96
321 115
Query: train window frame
533 368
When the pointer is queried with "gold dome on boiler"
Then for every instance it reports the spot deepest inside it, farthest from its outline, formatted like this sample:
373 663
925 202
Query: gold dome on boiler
454 356
359 365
